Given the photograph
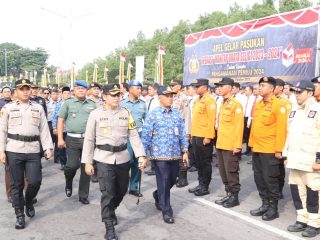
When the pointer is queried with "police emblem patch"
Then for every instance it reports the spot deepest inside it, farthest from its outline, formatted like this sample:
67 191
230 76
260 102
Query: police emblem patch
292 114
312 114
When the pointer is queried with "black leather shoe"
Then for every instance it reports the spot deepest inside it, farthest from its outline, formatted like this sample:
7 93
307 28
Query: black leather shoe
261 210
270 215
167 219
68 192
84 201
232 201
221 201
297 227
30 211
135 193
20 222
202 191
193 190
310 232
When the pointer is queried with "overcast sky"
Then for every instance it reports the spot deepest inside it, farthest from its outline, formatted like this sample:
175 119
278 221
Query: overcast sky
98 26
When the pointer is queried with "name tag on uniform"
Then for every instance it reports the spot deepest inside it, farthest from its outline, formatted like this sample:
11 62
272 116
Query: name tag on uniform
176 131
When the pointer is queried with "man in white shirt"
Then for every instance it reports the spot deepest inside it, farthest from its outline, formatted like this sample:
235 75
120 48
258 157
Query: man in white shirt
154 101
289 94
248 91
237 94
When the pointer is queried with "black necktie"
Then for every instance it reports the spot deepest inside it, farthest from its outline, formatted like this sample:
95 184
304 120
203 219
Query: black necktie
150 103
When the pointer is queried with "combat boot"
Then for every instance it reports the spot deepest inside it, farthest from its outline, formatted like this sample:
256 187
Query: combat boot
272 212
297 227
221 201
20 222
261 210
202 191
182 179
110 232
232 201
194 189
310 232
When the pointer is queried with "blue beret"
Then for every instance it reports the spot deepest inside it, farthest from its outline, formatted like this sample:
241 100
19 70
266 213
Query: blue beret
80 83
135 83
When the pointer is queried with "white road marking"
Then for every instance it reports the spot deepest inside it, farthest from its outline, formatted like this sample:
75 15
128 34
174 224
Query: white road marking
267 227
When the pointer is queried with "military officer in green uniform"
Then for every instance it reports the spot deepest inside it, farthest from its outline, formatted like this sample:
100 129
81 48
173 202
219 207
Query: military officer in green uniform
74 114
138 109
108 132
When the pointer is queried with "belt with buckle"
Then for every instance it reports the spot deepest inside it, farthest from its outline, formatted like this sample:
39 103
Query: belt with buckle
23 138
110 148
76 135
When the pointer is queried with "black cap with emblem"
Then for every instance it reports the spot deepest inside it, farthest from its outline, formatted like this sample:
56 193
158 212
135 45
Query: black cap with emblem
280 82
303 85
94 84
225 81
111 89
22 82
270 80
163 90
200 82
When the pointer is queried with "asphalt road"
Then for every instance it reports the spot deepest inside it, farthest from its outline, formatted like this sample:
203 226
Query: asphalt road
59 217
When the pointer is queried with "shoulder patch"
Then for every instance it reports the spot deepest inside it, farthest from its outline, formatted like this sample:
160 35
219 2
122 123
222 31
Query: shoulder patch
131 123
312 114
292 113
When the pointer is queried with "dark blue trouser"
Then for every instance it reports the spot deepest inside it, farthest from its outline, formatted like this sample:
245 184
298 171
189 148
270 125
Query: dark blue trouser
62 152
134 170
166 175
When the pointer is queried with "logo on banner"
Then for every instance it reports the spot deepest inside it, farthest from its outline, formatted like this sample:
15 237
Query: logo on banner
194 66
288 56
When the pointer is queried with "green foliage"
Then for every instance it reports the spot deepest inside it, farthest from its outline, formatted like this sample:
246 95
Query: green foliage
290 5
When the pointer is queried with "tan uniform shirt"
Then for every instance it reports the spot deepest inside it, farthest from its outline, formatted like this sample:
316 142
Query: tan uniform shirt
113 127
26 120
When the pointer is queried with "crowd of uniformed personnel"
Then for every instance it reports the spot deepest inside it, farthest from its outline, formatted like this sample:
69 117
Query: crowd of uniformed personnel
110 131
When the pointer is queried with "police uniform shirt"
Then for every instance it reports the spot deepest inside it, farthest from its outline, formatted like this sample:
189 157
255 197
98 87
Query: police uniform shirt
26 120
113 127
180 103
41 101
303 138
138 109
75 113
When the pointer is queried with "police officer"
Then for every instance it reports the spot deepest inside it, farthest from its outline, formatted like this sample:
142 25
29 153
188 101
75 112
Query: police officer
267 138
229 143
74 114
138 110
108 132
36 98
203 133
22 124
180 103
6 98
165 136
304 123
278 92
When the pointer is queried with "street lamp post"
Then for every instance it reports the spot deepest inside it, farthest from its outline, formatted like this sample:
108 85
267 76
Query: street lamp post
71 19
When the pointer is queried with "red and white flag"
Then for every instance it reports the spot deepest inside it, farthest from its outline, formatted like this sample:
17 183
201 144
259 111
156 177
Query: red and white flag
123 57
162 50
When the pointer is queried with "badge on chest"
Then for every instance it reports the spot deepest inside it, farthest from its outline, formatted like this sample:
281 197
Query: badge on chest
312 114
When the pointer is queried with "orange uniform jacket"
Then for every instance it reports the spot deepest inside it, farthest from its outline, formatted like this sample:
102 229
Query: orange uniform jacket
204 117
269 126
286 103
230 125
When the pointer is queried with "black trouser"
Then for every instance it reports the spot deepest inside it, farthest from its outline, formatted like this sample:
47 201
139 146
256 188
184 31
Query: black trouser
74 152
54 138
246 134
62 152
229 170
203 160
19 165
192 162
113 182
266 175
282 175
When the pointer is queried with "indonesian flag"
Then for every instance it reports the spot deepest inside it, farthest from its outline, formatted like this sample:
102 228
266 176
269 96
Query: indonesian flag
122 57
162 50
